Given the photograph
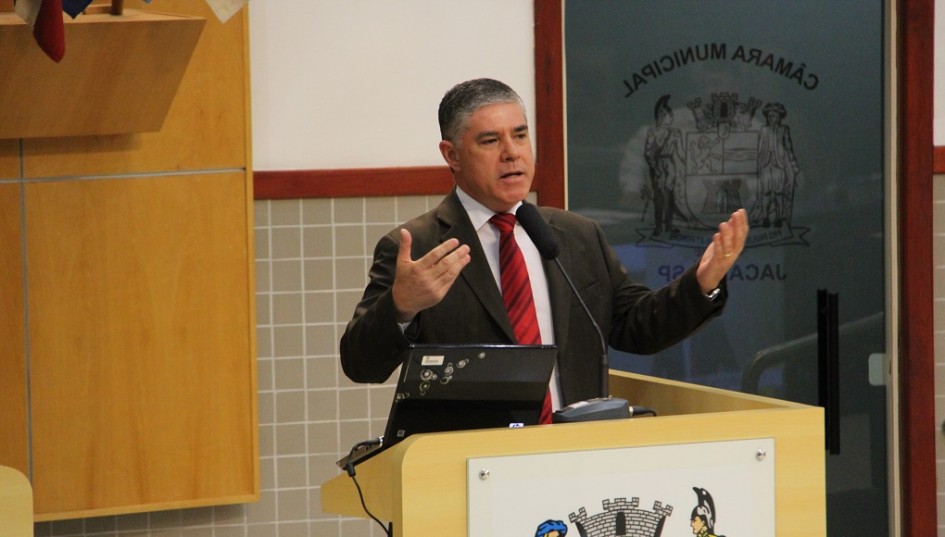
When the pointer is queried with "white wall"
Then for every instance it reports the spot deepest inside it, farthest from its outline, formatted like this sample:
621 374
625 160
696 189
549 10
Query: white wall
356 83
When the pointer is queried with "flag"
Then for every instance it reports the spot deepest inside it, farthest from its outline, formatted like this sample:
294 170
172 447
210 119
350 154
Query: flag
45 17
224 9
75 7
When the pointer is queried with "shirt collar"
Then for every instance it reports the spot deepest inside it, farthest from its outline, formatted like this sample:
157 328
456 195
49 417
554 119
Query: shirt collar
478 213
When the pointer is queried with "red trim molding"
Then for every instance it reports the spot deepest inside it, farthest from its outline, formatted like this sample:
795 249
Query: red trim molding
354 182
938 159
549 102
372 182
916 309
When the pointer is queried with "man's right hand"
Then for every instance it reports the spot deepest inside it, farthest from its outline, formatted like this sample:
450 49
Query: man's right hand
423 283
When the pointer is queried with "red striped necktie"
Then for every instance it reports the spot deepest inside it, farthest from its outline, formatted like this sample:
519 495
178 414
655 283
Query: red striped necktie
517 292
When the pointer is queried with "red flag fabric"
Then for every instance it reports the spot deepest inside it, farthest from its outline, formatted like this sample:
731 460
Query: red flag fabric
45 17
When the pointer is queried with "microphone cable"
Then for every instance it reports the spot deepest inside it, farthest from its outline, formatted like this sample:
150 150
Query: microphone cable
349 468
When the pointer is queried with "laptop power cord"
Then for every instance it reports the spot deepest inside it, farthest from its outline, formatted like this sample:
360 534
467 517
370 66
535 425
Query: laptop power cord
349 468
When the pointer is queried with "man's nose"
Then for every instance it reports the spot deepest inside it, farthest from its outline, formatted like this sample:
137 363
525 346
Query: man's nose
510 151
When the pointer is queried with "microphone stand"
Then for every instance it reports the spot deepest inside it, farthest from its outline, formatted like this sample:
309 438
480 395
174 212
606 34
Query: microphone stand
604 358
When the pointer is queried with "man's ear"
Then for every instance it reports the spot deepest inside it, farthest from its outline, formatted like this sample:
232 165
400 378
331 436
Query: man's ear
450 155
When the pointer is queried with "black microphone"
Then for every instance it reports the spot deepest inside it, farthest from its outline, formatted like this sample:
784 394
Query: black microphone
540 234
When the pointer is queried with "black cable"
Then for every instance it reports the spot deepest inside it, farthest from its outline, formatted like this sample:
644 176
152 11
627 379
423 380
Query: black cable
349 468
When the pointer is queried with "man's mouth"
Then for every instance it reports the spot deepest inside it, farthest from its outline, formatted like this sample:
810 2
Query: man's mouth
510 175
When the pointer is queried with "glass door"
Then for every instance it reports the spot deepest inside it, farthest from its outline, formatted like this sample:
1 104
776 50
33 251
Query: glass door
678 113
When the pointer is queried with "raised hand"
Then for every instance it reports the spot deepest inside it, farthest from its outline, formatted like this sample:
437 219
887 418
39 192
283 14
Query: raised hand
423 283
727 244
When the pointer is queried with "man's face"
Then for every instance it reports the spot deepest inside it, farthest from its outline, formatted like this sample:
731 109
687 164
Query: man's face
493 160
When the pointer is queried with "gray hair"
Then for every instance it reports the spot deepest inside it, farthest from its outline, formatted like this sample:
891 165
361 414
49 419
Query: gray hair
465 98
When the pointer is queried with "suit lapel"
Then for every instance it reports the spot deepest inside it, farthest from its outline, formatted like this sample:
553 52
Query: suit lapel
477 275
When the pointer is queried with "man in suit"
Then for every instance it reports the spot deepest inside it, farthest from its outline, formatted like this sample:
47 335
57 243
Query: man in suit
434 279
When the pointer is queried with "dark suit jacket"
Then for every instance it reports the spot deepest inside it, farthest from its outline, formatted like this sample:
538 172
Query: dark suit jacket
632 317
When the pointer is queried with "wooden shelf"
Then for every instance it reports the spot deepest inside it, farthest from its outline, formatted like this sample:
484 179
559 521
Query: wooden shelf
119 74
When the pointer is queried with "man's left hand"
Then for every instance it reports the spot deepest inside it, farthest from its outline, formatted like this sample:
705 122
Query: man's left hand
727 244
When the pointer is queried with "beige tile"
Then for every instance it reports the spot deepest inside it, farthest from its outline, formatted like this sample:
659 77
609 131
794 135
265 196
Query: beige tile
353 403
322 372
263 309
265 373
287 308
318 241
373 233
316 211
290 408
267 440
292 472
265 530
349 241
322 405
164 519
291 505
228 531
382 209
380 400
319 307
345 302
410 206
202 516
132 522
286 243
938 309
288 341
261 241
352 432
323 438
378 427
290 439
350 273
289 374
267 473
261 213
101 525
293 529
200 531
331 526
320 340
322 468
261 511
319 275
66 527
285 212
263 342
359 528
267 408
938 251
286 276
229 514
316 514
348 210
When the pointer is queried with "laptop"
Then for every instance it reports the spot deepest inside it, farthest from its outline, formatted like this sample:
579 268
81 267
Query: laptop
462 387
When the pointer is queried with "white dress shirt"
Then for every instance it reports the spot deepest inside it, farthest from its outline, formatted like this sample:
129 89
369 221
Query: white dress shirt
479 215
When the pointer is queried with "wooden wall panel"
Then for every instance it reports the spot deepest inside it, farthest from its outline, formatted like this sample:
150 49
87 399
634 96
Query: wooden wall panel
9 159
143 386
14 448
206 126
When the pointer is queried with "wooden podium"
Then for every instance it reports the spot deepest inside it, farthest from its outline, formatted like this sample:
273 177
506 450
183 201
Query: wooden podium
421 483
16 504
